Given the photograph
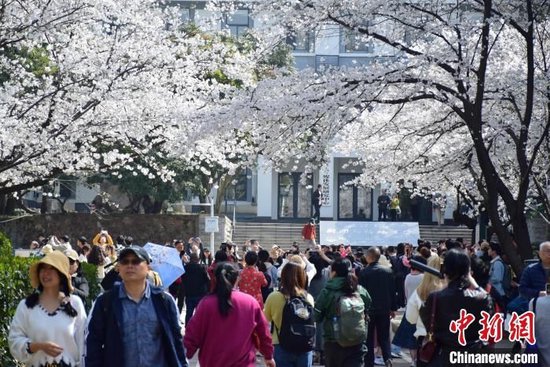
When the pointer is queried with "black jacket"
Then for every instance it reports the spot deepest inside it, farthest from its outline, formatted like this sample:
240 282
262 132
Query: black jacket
316 197
195 281
447 308
380 283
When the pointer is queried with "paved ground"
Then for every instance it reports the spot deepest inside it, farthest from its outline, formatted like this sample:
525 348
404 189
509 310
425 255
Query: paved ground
259 363
404 361
397 362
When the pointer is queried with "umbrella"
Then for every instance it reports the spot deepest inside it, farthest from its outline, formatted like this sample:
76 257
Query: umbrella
166 262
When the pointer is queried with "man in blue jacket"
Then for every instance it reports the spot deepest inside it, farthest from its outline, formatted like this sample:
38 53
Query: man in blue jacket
134 324
535 276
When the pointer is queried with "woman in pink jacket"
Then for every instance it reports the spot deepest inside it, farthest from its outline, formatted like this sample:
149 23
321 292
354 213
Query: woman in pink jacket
227 324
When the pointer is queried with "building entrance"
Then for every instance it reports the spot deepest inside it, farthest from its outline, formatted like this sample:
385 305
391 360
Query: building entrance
354 202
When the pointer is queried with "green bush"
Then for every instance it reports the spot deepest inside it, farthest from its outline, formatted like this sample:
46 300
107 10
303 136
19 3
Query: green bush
15 285
90 273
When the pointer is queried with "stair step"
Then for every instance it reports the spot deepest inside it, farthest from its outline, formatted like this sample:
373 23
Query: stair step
283 234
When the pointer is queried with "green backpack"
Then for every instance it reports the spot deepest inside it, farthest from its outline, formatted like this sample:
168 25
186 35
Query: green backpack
350 324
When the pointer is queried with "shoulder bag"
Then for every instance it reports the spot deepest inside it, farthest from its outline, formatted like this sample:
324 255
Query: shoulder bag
426 353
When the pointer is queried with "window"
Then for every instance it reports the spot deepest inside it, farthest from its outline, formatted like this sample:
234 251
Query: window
353 41
67 189
238 190
238 22
294 196
354 202
186 16
302 41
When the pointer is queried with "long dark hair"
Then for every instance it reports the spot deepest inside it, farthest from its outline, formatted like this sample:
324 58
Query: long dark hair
457 267
226 277
293 280
342 267
32 300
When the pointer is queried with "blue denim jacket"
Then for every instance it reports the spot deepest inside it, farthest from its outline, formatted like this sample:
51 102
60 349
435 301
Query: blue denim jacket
141 331
104 341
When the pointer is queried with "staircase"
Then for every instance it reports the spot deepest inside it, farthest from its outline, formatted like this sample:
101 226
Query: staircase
268 233
434 233
283 234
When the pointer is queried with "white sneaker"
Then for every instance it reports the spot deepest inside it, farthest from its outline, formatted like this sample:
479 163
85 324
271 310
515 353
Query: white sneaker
379 361
396 354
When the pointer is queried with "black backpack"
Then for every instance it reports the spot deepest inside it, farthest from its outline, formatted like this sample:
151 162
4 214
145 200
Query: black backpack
297 333
507 279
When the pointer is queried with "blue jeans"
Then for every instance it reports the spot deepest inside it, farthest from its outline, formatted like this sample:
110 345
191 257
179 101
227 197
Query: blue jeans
287 359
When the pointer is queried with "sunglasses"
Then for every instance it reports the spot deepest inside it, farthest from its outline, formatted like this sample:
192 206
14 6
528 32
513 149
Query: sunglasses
134 262
71 261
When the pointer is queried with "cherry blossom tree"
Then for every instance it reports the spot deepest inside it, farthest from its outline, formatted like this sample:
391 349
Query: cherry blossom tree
456 96
93 86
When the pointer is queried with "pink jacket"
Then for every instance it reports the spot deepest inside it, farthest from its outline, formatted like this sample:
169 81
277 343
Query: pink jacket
228 341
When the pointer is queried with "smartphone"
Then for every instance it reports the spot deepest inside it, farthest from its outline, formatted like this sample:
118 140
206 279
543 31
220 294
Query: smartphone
548 289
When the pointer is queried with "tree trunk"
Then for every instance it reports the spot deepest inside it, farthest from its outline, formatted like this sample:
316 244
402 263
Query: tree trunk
225 182
3 198
44 204
156 207
11 204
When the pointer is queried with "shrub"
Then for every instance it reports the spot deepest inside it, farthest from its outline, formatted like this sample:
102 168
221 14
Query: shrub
15 285
90 273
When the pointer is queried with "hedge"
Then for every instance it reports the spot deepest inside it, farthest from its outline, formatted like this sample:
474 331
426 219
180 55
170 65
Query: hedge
15 285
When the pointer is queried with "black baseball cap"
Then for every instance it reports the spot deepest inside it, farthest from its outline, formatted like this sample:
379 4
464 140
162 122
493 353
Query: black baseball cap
136 250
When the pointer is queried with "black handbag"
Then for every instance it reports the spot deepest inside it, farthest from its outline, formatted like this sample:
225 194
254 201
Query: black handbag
426 352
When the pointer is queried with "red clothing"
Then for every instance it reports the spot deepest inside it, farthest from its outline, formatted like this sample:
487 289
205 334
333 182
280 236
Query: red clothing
308 232
212 276
212 273
251 282
228 341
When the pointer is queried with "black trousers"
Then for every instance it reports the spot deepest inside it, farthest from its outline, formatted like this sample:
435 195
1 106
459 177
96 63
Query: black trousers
317 213
379 325
337 356
382 214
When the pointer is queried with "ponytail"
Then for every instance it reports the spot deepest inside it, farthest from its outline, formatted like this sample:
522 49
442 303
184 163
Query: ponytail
226 277
350 284
343 268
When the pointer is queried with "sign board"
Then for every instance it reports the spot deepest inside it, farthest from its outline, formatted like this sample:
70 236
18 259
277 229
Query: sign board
325 179
368 233
211 224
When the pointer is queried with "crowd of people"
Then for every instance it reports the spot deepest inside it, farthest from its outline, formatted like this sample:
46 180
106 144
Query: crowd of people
330 305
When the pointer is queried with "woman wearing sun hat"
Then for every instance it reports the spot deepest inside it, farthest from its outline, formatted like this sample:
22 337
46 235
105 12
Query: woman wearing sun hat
79 282
48 326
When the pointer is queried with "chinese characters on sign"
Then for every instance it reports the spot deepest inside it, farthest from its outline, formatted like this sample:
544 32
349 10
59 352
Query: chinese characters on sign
325 181
521 327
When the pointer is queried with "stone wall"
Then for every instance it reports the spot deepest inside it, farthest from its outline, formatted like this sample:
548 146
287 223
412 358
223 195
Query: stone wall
157 228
